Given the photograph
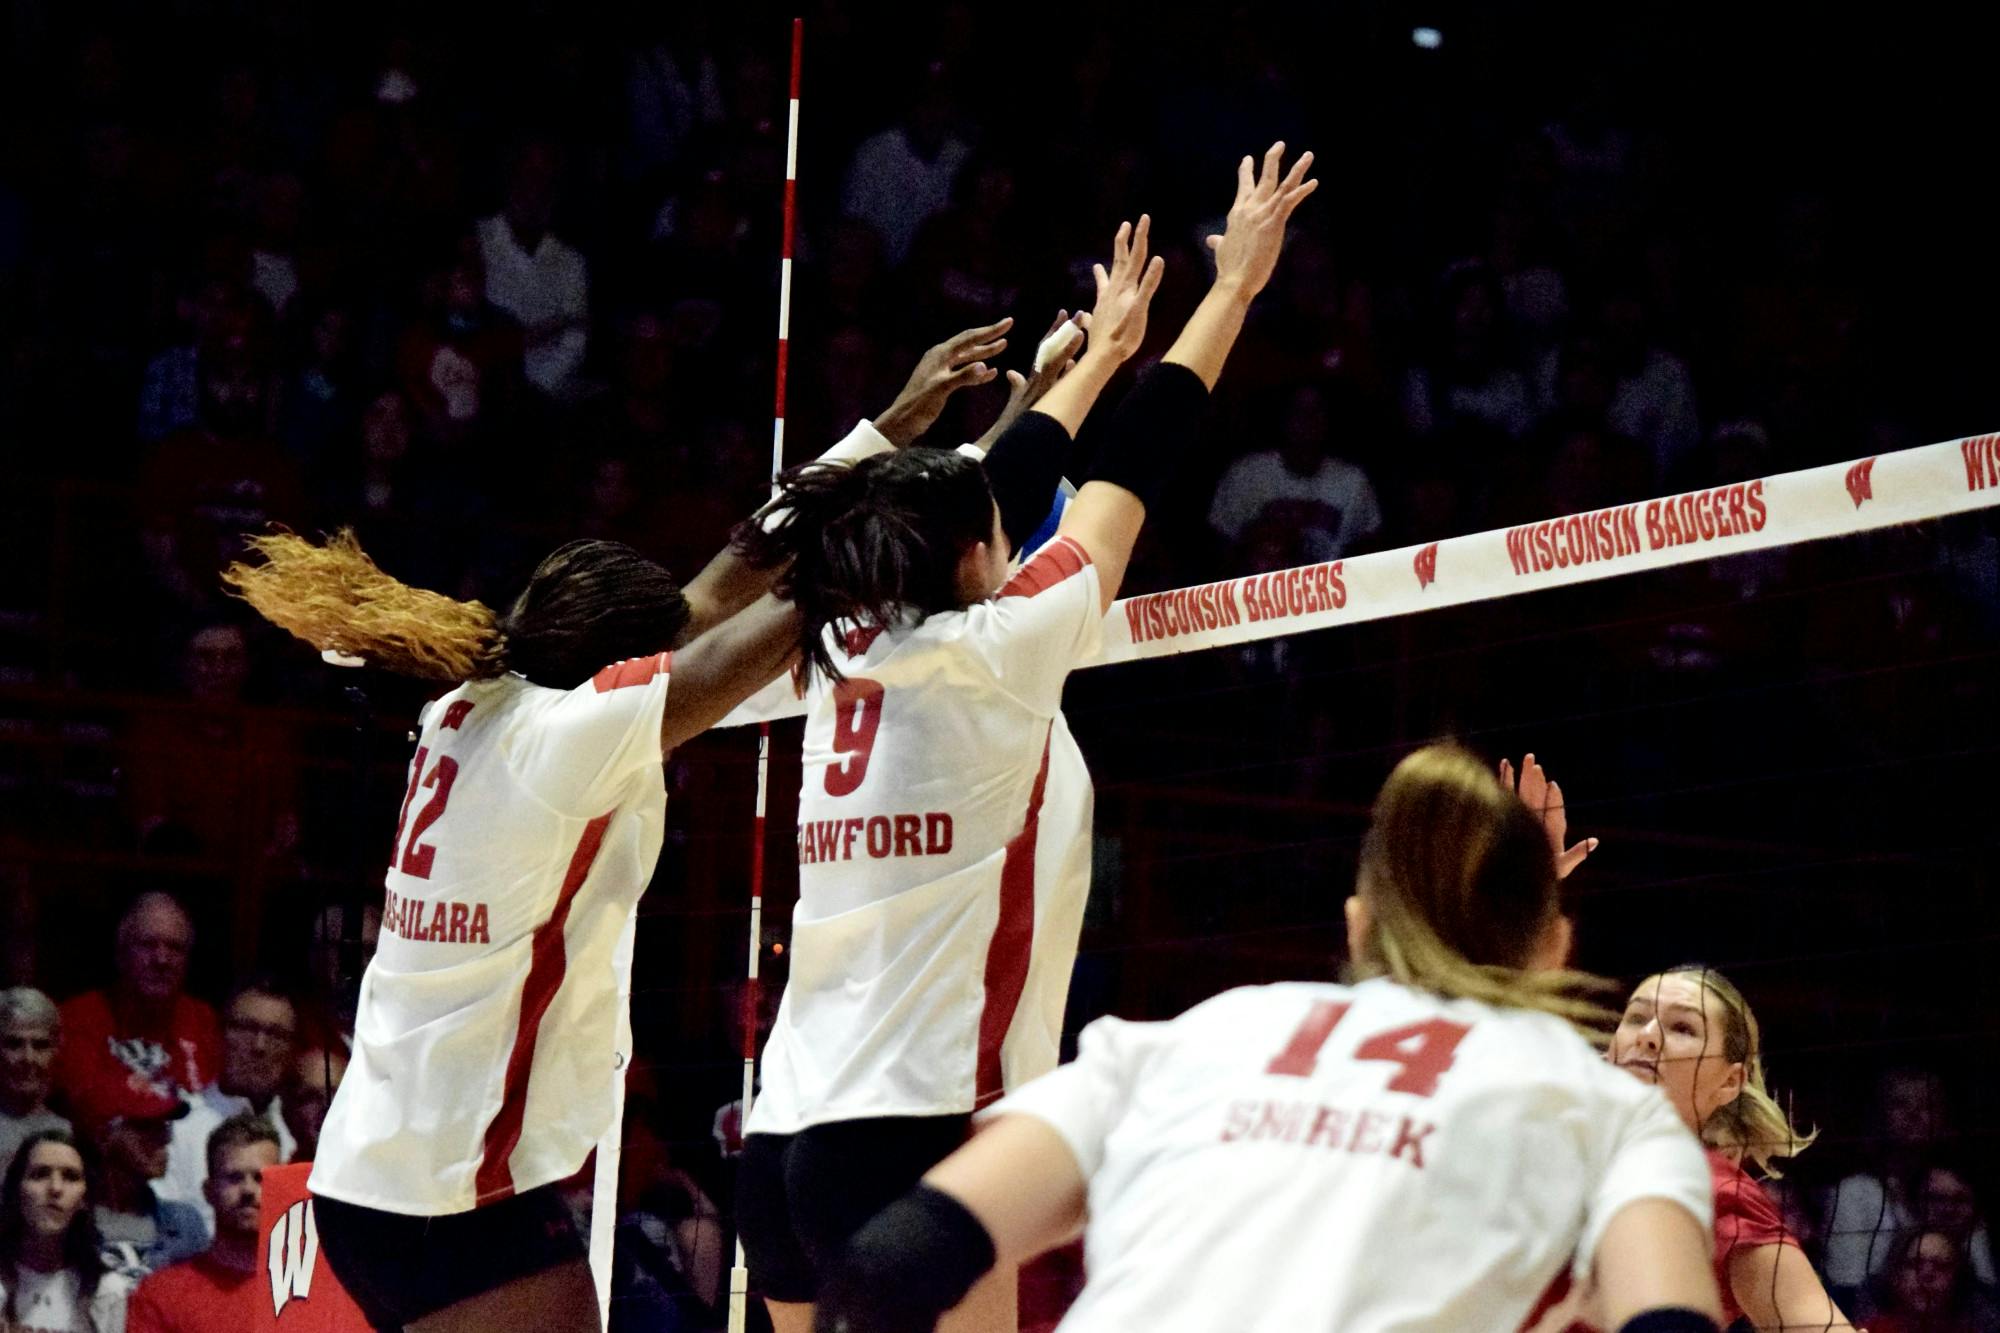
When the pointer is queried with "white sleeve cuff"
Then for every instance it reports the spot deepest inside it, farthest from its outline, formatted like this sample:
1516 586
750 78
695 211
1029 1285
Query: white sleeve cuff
973 451
864 441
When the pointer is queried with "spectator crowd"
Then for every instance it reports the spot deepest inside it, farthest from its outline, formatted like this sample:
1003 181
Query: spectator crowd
473 287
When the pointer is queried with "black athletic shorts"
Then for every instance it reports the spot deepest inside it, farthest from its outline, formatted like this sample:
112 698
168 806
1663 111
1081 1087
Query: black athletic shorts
400 1269
800 1196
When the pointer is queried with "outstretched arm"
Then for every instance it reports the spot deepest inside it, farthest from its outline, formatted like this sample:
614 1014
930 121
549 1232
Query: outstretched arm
728 583
1160 419
727 665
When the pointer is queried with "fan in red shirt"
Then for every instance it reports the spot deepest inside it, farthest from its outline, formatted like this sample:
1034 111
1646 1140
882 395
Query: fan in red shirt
142 1028
1690 1031
223 1290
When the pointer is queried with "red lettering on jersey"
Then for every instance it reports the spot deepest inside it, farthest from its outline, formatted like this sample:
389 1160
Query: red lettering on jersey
827 831
1328 1127
879 839
403 818
850 830
455 715
436 930
460 914
1240 1117
909 835
1367 1136
1424 1050
635 671
418 857
857 716
1301 1053
1413 1141
477 933
1279 1120
937 834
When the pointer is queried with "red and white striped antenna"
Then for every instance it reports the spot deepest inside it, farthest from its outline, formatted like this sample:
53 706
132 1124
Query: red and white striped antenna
739 1275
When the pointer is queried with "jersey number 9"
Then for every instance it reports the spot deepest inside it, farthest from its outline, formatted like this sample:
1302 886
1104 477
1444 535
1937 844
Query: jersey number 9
857 716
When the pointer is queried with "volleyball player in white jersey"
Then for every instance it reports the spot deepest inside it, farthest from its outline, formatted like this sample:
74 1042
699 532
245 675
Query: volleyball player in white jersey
484 1066
1426 1149
945 815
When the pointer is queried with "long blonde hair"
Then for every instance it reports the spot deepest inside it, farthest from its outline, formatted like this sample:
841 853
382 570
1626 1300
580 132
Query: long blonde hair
587 605
1753 1124
338 599
1461 886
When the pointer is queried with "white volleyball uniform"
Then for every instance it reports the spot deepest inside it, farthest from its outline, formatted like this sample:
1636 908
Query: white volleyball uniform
944 860
1305 1157
485 1060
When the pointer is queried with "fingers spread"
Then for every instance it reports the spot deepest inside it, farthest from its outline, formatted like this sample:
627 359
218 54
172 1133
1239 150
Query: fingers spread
982 352
1246 179
1151 283
1299 169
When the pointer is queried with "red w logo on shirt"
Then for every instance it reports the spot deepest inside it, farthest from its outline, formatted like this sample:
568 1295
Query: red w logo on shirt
1861 481
1427 565
294 1251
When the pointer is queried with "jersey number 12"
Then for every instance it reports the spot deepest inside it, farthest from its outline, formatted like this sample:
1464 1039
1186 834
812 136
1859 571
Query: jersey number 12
416 856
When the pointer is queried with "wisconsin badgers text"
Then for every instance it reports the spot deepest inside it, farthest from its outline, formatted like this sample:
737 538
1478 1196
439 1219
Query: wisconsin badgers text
1613 534
1275 596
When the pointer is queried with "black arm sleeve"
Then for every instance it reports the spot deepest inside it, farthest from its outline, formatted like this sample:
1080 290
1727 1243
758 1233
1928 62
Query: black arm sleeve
1023 467
1669 1321
1153 430
915 1260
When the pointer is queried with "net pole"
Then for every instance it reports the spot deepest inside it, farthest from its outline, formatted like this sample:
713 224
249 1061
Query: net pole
739 1273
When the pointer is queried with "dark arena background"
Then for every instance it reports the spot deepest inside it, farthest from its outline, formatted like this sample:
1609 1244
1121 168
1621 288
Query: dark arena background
1564 258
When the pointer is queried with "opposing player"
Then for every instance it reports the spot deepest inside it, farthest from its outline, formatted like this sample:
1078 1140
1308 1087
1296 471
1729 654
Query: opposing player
1690 1031
945 814
484 1060
1425 1149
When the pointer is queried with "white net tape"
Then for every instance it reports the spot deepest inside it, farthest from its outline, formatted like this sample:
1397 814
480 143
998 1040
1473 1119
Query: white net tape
1837 500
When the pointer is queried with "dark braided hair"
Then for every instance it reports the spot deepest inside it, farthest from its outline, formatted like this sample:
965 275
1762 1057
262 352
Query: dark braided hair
872 544
587 605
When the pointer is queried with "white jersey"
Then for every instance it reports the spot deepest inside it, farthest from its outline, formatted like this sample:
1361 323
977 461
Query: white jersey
485 1060
1367 1158
944 859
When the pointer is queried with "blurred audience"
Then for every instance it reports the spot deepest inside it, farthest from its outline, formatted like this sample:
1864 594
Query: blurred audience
52 1276
225 1289
143 1034
30 1032
138 1232
260 1031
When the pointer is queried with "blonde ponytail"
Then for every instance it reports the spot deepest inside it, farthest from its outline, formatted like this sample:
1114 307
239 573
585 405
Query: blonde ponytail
1460 885
1752 1126
336 598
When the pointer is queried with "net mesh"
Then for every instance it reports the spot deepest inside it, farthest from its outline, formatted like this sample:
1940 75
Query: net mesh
1787 755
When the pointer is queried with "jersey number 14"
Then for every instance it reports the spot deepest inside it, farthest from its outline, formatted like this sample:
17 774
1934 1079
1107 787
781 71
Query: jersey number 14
1423 1049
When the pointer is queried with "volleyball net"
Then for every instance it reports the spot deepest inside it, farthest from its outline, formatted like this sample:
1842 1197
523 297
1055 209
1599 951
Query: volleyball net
1775 702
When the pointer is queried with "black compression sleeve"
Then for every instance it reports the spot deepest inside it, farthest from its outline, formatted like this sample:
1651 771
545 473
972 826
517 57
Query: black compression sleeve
1152 431
915 1260
1024 467
1669 1321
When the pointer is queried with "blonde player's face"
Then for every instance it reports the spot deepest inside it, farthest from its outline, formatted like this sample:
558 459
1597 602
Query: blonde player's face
1671 1035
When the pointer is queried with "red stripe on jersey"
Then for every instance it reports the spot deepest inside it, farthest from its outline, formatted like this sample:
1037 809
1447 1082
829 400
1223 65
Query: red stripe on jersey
1013 940
1059 560
636 671
1558 1291
495 1180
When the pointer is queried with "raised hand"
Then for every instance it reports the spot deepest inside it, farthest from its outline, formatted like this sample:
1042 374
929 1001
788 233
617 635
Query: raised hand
1117 322
1544 800
1247 251
958 362
1024 391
